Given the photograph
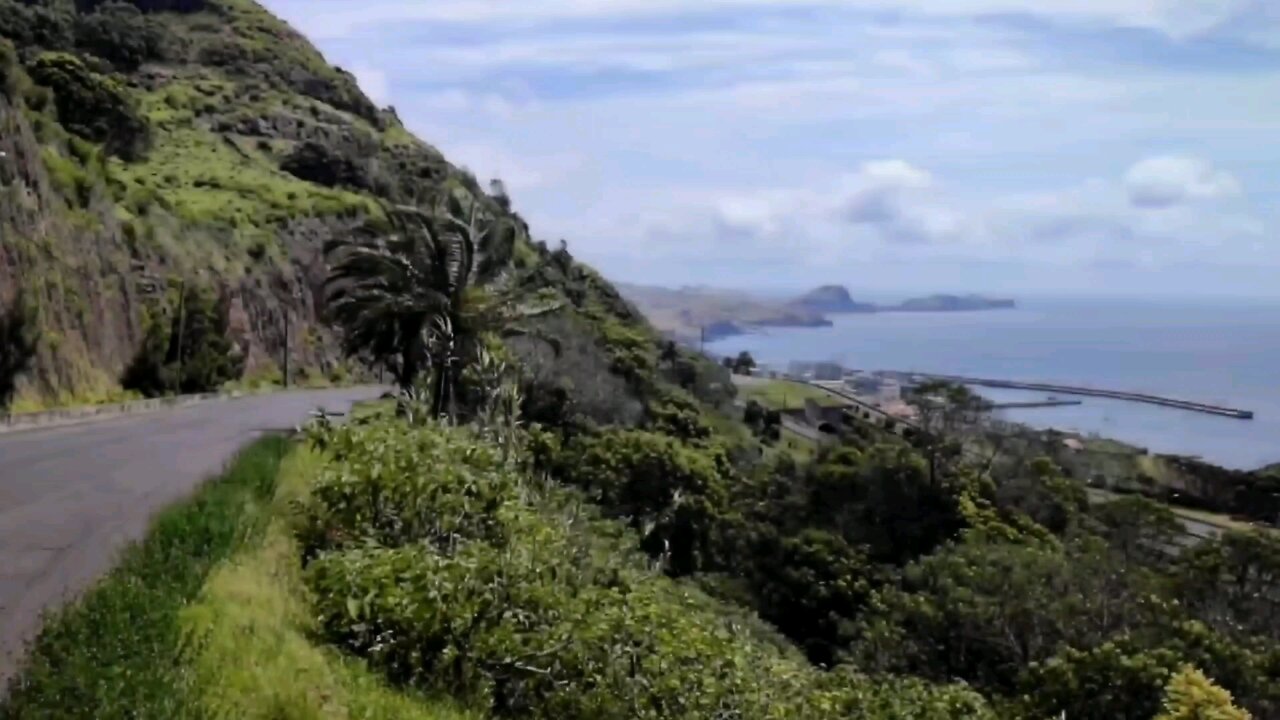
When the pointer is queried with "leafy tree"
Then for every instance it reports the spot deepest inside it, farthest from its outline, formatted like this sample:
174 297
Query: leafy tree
1138 527
678 415
882 498
686 373
1126 676
949 417
1230 582
569 389
811 585
1114 681
1192 696
983 610
186 348
744 364
1044 495
668 490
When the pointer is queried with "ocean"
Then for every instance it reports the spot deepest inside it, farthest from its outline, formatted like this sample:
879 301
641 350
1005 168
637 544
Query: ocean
1222 352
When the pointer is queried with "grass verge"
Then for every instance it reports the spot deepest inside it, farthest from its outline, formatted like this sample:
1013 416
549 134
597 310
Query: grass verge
118 651
787 395
251 631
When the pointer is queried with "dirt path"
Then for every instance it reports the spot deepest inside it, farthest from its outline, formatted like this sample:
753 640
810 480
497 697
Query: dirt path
72 497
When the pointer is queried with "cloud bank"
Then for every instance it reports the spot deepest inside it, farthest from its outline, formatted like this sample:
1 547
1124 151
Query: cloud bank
1010 143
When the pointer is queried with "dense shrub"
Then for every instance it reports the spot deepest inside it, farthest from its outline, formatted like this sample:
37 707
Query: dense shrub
809 585
119 33
149 6
984 610
36 25
638 473
675 414
558 620
91 105
1125 677
1231 582
380 494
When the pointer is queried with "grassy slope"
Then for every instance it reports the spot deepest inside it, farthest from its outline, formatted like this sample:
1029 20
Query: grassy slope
786 395
117 651
208 617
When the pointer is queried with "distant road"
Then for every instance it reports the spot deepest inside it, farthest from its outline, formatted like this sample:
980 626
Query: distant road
72 497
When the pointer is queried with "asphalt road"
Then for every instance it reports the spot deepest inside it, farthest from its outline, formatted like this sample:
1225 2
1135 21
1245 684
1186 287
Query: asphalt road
72 497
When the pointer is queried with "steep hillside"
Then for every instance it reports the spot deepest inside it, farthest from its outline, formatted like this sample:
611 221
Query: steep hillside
153 147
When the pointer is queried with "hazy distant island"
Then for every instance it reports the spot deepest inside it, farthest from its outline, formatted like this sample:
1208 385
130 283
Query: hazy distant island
691 313
832 299
708 314
951 303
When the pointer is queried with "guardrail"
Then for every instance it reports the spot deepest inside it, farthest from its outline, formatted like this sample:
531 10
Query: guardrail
88 413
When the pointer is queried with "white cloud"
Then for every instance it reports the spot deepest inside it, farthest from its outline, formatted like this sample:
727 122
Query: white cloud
1168 180
340 18
892 197
654 134
891 209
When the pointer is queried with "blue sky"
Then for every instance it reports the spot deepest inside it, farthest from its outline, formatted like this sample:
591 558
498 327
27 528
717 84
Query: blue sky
1058 146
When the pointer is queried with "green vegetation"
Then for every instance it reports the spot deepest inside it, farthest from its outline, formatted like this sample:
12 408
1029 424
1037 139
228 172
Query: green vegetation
94 106
118 651
592 531
17 344
181 136
787 394
426 291
251 629
1192 696
119 33
188 352
539 610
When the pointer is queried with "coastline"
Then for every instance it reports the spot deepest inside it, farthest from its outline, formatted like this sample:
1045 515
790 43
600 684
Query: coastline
724 329
1212 353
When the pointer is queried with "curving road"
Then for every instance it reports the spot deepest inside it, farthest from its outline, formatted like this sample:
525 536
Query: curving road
72 497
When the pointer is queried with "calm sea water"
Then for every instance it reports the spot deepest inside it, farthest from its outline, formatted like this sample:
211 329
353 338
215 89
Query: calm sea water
1218 351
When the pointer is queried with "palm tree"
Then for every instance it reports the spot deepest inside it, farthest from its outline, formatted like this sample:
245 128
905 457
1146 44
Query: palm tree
430 292
384 290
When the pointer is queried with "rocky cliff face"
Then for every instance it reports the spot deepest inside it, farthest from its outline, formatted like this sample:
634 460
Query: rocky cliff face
211 146
63 274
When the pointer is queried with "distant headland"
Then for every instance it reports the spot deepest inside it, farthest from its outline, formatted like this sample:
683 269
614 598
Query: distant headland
698 313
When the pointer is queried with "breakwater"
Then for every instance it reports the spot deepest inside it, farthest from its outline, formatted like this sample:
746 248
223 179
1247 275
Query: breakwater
1092 392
